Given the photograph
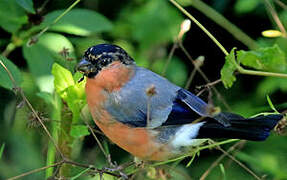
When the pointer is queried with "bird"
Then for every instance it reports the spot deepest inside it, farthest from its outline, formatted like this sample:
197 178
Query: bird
150 117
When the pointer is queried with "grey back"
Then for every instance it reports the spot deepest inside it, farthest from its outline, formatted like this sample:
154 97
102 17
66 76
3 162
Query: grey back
130 104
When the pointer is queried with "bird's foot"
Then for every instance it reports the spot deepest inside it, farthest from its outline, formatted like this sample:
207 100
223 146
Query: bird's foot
114 167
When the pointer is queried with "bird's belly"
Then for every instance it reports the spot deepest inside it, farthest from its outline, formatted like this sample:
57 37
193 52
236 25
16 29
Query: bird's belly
140 142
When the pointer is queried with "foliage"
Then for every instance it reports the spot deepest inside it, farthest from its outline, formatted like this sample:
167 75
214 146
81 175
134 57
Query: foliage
4 77
41 42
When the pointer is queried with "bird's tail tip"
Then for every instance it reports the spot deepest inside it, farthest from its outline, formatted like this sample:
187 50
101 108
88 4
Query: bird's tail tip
256 129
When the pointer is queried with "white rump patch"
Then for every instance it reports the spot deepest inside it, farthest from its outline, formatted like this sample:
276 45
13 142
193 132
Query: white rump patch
186 134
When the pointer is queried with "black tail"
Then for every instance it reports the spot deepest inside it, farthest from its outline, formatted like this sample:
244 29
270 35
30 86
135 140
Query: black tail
255 129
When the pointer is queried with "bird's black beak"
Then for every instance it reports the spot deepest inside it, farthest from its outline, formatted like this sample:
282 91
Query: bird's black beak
84 66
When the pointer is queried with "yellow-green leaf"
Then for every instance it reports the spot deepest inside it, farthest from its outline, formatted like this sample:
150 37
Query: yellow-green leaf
79 131
227 72
267 59
63 79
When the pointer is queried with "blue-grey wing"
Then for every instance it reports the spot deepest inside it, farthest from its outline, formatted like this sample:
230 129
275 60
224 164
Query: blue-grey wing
169 105
130 104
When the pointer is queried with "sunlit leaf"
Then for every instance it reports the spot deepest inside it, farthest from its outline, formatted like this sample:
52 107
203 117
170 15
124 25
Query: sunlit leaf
82 22
76 100
69 90
27 5
79 131
12 16
63 79
227 72
5 81
267 59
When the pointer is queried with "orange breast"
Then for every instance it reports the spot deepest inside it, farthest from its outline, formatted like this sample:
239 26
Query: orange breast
138 141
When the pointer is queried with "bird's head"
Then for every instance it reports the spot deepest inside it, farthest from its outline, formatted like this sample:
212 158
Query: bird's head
100 56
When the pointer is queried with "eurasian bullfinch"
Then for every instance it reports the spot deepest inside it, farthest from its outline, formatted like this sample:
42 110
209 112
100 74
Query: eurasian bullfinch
150 117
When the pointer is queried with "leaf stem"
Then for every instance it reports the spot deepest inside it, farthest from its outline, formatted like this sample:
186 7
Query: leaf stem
224 23
9 48
218 160
200 26
31 107
275 17
56 20
36 170
260 73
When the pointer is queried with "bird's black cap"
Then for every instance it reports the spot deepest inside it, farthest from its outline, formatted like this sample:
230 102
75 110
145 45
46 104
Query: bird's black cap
101 55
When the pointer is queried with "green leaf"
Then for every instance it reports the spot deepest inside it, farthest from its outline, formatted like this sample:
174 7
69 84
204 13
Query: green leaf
4 78
71 92
2 150
80 173
267 59
222 169
47 97
80 22
41 56
63 79
27 5
78 131
12 16
245 6
191 160
270 85
148 33
271 104
227 72
184 2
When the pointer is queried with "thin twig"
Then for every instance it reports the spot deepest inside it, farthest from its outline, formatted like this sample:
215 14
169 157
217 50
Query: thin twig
239 68
198 63
239 163
210 84
55 21
65 161
281 4
275 17
200 26
174 47
91 167
190 78
36 170
218 160
218 18
204 76
94 135
18 89
43 5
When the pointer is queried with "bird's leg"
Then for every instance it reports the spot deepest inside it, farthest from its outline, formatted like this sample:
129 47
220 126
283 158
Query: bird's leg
115 167
138 162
